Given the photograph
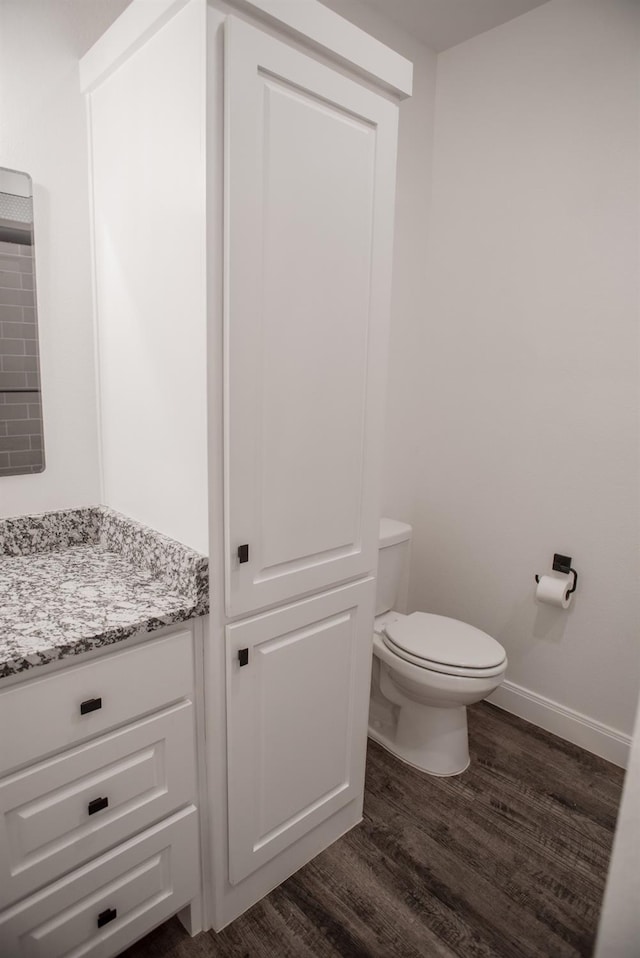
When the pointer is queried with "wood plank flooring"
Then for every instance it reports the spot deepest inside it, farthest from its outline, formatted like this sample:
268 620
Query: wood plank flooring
507 860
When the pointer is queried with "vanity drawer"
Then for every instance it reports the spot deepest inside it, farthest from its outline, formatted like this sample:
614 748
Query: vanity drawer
47 715
101 908
66 810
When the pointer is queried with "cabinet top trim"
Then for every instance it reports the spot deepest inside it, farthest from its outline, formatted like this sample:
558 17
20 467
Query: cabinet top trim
308 20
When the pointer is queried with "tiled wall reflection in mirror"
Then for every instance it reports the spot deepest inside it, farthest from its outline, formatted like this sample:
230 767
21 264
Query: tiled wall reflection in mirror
21 438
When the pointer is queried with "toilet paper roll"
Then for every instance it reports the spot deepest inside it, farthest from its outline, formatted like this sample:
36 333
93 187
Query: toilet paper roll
553 590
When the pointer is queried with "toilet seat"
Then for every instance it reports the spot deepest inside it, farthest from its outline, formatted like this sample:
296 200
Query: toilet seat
442 644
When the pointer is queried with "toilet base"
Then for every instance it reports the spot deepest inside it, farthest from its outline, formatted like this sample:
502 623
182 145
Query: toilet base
432 740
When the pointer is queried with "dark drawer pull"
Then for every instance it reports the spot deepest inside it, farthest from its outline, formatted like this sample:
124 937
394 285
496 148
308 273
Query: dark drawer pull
91 705
243 553
106 916
97 805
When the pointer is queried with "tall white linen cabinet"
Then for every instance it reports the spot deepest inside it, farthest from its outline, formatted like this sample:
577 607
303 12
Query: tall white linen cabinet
242 161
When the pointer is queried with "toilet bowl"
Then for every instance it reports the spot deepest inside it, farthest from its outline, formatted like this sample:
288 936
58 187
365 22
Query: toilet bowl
429 730
427 670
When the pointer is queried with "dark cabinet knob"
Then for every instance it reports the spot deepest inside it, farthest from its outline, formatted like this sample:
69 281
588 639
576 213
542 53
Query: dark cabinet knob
243 553
91 705
106 916
97 805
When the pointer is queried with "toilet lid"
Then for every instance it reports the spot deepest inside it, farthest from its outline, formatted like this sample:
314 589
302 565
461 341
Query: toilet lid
436 638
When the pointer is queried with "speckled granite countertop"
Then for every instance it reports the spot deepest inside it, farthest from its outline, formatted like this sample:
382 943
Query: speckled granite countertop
75 580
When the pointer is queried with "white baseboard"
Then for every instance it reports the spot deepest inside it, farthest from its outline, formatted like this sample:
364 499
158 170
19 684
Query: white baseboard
572 726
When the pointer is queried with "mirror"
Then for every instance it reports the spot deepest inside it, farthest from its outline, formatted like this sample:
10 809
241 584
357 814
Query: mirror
21 439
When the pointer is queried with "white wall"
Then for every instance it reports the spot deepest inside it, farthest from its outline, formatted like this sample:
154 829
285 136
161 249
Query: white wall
147 121
529 391
415 150
43 132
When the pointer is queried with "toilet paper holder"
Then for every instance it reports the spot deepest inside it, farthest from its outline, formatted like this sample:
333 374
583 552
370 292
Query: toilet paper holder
563 564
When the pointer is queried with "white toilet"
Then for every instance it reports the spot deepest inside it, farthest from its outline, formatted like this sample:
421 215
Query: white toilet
426 670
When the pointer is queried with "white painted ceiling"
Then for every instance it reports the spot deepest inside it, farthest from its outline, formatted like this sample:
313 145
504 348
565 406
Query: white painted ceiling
437 23
441 24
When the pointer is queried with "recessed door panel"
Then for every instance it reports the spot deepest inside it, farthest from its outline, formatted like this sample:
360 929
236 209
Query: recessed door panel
309 205
317 226
296 720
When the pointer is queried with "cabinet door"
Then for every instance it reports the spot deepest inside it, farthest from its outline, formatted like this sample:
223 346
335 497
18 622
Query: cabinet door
309 194
296 720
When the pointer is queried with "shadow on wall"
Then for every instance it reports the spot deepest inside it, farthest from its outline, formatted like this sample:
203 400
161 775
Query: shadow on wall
550 624
527 622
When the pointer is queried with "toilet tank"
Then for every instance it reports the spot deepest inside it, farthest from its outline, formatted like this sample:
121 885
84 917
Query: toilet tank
393 564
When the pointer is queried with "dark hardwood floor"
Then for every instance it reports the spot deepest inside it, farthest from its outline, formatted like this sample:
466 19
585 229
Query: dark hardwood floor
507 860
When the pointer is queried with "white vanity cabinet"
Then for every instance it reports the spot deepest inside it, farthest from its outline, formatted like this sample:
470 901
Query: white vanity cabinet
243 179
99 837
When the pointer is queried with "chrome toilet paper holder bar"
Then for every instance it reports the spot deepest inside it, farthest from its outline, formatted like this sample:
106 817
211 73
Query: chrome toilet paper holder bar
563 564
